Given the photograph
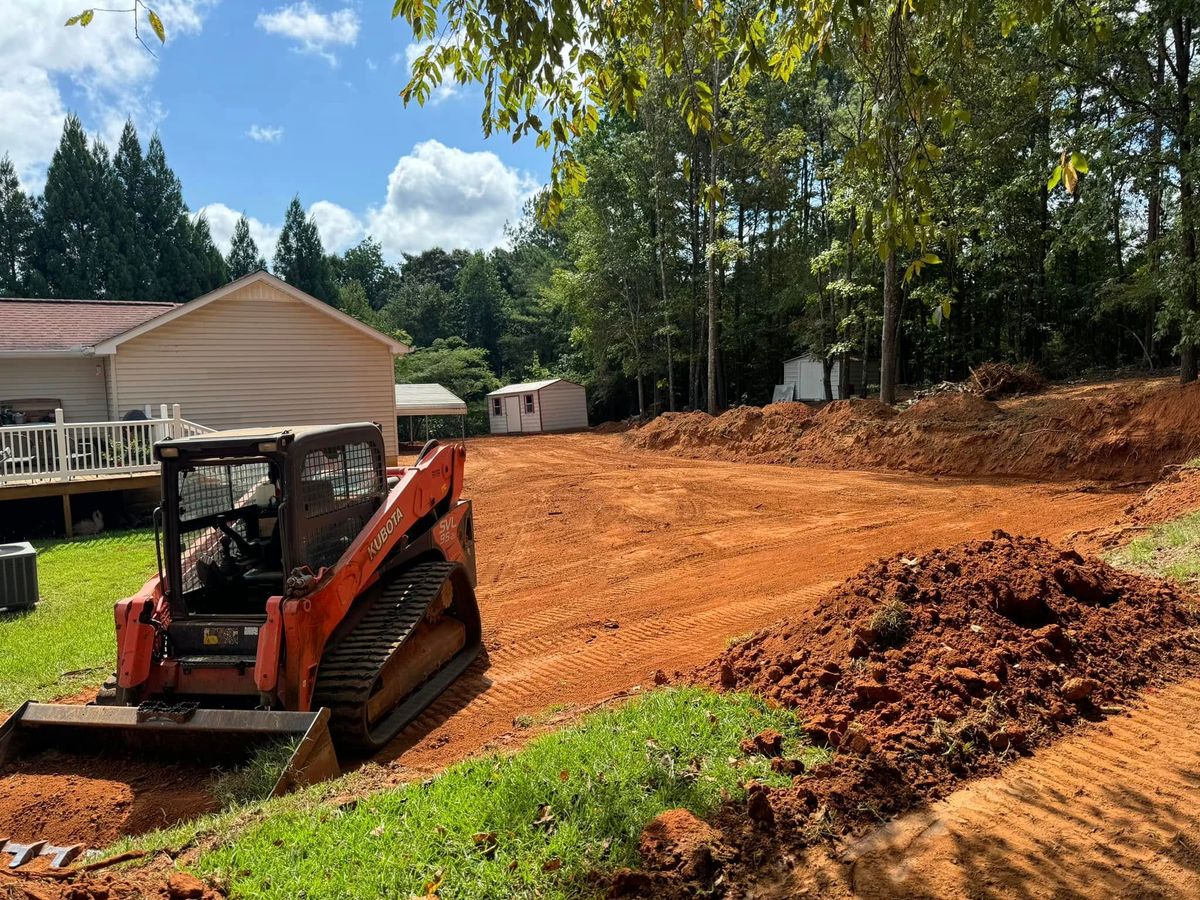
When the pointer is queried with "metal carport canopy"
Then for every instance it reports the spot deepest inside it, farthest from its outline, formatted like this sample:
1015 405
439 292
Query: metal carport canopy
428 400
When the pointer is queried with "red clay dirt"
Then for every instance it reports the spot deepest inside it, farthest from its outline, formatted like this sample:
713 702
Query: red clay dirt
924 670
1109 811
68 799
1118 431
599 564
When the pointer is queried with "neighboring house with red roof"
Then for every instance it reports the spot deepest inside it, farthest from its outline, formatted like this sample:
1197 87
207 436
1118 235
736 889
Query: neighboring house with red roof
255 352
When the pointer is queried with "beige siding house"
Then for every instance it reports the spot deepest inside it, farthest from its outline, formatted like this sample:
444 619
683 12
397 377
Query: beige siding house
538 406
256 352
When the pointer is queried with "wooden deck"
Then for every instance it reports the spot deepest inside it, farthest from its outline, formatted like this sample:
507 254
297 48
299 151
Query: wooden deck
80 484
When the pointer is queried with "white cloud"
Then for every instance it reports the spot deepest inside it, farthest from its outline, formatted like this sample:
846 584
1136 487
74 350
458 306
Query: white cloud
339 227
104 61
437 196
265 134
313 31
221 222
441 196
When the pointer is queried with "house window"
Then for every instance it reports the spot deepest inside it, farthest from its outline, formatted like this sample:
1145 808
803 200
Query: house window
497 406
529 404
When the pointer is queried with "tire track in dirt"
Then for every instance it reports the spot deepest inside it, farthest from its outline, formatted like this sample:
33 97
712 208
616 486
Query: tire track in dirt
576 530
1107 812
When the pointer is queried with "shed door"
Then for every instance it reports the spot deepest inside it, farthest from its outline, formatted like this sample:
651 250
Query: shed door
512 414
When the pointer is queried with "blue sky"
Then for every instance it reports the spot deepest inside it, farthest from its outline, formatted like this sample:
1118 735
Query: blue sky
258 101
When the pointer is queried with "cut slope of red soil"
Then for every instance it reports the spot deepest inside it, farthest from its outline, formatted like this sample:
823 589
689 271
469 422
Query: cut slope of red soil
927 669
67 799
1174 496
1122 432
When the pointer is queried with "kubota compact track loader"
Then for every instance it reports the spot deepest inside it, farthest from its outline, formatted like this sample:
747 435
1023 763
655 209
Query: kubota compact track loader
304 592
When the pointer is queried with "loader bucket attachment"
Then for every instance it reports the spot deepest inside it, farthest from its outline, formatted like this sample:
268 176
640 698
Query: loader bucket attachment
172 732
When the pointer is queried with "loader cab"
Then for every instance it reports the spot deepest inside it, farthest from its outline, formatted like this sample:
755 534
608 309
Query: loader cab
242 510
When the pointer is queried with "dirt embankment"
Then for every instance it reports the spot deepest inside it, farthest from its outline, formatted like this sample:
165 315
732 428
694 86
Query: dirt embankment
1121 432
927 669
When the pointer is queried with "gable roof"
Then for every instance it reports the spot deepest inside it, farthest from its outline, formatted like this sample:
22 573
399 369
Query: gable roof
110 346
69 326
428 400
84 327
528 387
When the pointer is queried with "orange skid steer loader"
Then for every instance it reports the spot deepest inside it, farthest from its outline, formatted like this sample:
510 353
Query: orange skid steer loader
304 593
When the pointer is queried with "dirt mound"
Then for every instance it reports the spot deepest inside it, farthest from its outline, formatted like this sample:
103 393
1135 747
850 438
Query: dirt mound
967 409
1122 432
1174 496
674 430
927 669
93 801
845 411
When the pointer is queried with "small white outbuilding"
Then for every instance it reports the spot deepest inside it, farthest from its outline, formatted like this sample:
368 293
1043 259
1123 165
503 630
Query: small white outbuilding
538 406
807 374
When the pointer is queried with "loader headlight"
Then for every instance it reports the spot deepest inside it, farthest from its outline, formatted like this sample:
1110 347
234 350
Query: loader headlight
168 452
268 447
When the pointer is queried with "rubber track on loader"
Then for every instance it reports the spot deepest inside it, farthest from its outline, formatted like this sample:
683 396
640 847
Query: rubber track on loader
349 671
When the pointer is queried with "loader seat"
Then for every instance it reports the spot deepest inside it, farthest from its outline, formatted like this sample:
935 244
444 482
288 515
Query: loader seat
317 496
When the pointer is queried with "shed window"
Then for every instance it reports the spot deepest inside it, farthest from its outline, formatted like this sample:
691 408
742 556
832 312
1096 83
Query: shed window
529 403
497 407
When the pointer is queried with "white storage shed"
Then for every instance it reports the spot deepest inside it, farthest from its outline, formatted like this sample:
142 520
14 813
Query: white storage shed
538 406
808 376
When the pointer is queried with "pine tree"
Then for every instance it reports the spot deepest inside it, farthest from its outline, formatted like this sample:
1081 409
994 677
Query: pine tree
300 258
75 228
163 220
243 252
17 223
208 265
134 245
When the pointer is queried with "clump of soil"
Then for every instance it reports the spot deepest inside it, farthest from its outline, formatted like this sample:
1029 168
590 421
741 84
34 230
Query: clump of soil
1120 432
68 799
927 669
153 883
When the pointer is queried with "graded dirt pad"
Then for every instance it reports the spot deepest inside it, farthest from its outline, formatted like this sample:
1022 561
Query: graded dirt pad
926 669
599 564
1119 431
68 799
1107 812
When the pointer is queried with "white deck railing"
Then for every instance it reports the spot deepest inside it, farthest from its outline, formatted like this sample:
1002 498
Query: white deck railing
60 450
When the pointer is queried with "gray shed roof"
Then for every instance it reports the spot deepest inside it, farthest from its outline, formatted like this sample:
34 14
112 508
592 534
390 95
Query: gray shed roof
528 387
428 400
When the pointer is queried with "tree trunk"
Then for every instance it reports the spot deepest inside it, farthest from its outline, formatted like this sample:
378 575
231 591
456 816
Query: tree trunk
1154 201
714 335
889 358
1190 318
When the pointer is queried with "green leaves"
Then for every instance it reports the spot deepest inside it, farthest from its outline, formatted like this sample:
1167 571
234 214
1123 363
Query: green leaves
1069 168
84 19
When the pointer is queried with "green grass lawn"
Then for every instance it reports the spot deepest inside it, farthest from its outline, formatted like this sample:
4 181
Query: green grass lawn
537 823
66 643
1170 550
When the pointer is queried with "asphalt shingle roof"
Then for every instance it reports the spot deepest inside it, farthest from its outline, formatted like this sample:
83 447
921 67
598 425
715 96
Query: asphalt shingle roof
70 325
